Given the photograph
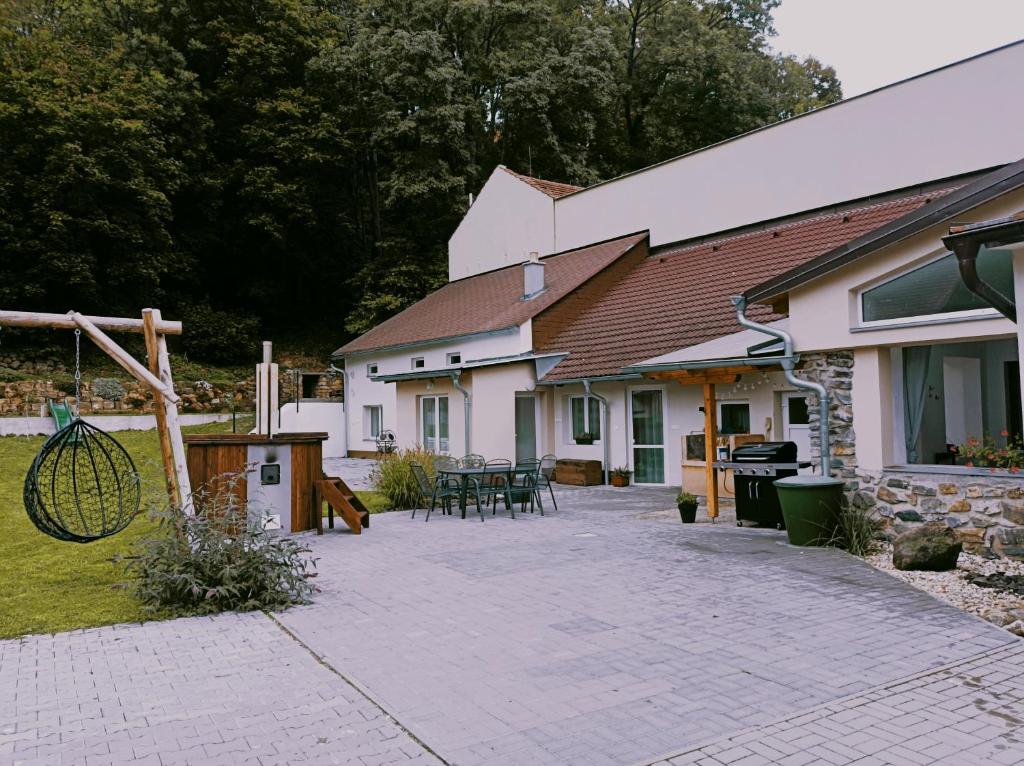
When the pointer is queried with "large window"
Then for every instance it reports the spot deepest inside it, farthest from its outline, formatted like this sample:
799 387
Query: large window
434 423
947 396
584 417
373 415
935 291
733 418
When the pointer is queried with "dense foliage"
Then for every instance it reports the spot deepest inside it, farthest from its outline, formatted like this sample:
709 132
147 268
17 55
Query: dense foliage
305 161
393 478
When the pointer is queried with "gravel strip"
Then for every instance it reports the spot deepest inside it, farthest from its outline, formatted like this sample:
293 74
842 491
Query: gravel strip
998 607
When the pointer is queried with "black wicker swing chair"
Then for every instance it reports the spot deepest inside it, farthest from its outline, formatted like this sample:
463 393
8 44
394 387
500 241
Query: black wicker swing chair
82 486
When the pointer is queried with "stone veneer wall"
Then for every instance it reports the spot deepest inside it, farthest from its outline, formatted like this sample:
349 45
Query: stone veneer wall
986 512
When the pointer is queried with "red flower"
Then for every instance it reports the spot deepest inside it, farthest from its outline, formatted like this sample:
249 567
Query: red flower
1004 432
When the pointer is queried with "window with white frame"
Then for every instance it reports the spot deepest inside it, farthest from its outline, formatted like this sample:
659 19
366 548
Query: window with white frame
434 423
373 416
935 291
371 369
454 358
733 418
583 416
418 363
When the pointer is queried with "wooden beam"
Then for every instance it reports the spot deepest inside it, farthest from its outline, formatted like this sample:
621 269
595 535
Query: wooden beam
65 322
122 357
717 375
710 448
150 317
173 427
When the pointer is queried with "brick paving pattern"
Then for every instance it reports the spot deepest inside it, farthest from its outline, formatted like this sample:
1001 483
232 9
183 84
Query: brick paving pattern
590 636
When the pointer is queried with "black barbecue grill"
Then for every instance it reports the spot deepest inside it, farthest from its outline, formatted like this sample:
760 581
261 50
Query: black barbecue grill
755 467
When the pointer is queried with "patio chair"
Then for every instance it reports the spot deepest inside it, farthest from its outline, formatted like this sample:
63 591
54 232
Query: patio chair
472 460
526 485
494 484
547 470
443 463
439 488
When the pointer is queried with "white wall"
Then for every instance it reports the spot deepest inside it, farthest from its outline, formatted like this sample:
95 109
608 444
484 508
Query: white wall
935 126
509 220
30 426
306 416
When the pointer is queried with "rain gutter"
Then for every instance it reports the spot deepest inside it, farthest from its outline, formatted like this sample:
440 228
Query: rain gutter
966 242
467 403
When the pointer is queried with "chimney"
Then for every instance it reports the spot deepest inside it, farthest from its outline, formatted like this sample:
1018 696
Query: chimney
533 277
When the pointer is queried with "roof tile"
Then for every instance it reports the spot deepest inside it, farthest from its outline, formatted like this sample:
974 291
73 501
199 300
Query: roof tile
553 189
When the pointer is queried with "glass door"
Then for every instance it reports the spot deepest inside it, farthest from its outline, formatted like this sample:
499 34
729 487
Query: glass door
796 424
647 418
434 423
526 428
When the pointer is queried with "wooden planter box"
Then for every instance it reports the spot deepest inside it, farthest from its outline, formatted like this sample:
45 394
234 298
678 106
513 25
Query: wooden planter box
579 473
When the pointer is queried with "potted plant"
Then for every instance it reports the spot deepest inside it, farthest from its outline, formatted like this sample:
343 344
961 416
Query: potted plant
620 476
585 438
687 504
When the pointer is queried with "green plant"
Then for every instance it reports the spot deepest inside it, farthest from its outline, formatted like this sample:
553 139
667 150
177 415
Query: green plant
621 472
108 389
857 531
686 498
216 560
219 336
393 476
985 453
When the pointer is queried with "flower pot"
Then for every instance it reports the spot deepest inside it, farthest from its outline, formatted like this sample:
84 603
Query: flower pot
584 441
687 512
620 481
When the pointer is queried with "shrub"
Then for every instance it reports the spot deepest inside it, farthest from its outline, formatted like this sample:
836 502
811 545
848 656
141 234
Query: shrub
393 476
857 530
216 561
108 389
219 336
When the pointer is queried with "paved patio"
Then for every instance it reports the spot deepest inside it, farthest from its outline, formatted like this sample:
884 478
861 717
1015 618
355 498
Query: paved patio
603 633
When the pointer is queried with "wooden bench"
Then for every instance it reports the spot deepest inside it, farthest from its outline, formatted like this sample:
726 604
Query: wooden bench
579 473
342 500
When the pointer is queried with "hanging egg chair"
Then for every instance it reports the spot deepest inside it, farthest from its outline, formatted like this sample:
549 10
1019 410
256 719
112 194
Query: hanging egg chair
82 486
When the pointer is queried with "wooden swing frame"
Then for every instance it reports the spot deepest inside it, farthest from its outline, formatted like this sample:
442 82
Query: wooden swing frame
156 377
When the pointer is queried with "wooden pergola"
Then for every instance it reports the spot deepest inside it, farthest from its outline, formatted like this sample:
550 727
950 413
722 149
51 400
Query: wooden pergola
709 378
156 377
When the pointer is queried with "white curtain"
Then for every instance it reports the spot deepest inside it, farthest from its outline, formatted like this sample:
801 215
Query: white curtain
915 386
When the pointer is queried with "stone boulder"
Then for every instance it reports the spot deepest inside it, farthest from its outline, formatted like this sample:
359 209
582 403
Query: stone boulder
931 547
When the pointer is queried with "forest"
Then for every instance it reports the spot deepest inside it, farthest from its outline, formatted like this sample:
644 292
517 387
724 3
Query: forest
297 166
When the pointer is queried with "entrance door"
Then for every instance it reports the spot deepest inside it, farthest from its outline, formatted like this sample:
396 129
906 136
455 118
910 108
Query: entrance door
434 423
647 419
526 427
796 424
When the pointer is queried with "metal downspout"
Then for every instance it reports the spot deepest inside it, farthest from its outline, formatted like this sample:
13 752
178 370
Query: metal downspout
967 259
467 403
788 364
607 440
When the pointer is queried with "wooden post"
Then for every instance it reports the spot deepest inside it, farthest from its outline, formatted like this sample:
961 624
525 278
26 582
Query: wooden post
710 448
173 427
150 317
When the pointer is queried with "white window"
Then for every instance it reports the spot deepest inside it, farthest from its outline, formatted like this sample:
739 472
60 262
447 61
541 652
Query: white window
434 423
934 291
371 369
418 363
373 416
733 418
583 418
454 358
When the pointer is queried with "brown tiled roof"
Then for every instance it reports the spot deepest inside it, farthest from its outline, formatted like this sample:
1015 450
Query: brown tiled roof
492 300
553 189
679 296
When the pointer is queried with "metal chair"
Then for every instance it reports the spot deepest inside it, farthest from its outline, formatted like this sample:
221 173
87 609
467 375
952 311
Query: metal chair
386 443
494 484
439 488
443 463
547 470
526 484
472 460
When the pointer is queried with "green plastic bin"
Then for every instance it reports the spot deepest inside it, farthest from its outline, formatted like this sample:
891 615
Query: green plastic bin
810 506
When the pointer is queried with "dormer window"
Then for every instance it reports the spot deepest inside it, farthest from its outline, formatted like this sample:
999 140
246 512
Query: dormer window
454 358
418 363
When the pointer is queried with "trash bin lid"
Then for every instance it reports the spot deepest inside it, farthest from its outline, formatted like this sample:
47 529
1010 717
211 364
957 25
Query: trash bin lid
817 482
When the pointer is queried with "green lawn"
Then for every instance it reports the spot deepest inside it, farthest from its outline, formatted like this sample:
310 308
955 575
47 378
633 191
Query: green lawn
50 586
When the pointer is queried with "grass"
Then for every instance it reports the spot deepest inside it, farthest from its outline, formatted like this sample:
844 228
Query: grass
51 586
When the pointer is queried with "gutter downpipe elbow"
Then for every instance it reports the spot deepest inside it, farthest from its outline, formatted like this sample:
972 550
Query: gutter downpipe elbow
967 260
788 365
606 440
467 404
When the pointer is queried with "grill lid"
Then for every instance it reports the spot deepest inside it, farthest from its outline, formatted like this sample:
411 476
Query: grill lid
765 452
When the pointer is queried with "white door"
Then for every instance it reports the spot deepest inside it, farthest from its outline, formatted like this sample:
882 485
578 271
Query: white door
526 427
961 383
647 434
796 424
434 423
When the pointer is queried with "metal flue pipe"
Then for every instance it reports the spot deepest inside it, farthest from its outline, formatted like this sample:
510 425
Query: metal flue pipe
467 404
788 365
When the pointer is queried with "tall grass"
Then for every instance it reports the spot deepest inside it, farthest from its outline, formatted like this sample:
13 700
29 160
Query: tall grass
857 531
393 477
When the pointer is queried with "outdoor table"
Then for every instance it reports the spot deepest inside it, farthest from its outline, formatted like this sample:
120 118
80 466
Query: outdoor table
465 473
